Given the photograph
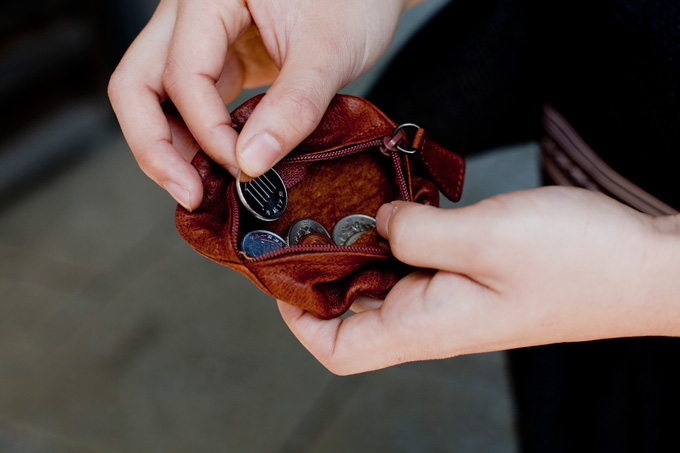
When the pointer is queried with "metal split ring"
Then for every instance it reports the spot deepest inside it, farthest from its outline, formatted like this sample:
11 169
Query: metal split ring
397 131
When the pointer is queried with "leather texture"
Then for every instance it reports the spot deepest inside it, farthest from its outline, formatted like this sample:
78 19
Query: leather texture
357 177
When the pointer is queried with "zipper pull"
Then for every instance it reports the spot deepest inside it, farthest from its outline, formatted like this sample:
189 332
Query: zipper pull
446 168
398 138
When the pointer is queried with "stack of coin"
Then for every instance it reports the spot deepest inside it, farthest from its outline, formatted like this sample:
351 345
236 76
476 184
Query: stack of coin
308 231
266 198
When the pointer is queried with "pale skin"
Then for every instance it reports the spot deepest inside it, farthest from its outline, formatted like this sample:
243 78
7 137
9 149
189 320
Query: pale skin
202 53
527 268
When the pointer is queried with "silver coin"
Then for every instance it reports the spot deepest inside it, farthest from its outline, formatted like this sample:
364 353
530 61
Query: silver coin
303 227
350 228
265 197
259 242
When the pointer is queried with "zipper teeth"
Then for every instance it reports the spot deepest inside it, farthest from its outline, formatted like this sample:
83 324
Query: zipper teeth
396 158
319 248
335 154
235 223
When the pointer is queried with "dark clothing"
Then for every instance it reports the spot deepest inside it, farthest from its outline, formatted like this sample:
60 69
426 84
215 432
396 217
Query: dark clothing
477 76
479 72
618 395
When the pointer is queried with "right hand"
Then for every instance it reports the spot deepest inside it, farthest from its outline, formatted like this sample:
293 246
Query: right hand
539 266
202 53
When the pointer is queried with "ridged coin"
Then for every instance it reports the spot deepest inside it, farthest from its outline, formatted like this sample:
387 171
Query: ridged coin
350 228
303 227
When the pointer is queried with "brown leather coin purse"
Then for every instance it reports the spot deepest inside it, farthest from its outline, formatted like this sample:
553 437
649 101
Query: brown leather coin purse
356 160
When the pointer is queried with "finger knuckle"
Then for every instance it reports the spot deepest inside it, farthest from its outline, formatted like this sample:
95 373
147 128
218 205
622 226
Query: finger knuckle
170 77
303 109
150 162
401 241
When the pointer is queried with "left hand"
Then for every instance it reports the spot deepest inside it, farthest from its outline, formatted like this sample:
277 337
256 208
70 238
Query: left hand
202 53
526 268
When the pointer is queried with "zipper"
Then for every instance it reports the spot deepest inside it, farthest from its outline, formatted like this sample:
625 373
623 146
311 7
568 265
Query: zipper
342 152
338 153
396 159
236 210
319 248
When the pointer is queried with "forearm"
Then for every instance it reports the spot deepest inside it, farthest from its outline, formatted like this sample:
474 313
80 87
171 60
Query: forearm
621 281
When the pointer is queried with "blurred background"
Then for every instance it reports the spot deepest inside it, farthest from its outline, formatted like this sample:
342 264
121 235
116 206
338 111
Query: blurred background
115 336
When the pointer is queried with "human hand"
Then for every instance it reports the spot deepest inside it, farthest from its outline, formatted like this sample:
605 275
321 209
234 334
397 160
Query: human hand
201 53
526 268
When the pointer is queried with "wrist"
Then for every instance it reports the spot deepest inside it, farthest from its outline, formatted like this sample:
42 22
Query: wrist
660 266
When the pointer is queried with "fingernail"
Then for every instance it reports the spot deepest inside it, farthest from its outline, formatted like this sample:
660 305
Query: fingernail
382 218
179 193
260 154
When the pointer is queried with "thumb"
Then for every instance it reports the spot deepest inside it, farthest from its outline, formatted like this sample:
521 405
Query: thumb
454 240
290 111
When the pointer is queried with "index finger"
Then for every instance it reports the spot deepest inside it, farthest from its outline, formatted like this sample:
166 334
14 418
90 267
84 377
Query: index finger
135 91
196 59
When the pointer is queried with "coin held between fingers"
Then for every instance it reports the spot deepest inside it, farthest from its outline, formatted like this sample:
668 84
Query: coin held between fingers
265 197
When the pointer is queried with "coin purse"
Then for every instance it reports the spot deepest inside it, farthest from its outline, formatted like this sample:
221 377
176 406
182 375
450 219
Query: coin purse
356 160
